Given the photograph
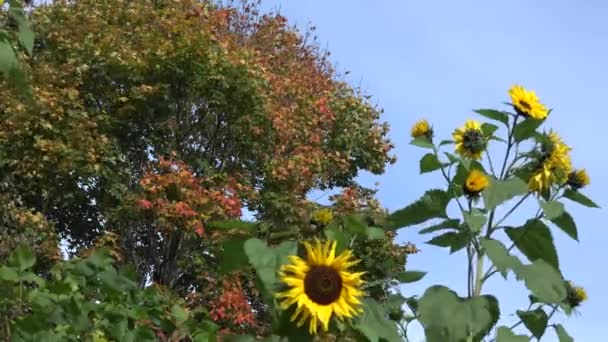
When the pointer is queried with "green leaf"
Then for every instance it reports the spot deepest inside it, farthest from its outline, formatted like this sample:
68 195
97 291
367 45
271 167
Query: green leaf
451 157
535 241
355 224
494 115
179 314
25 34
409 276
455 240
543 281
562 334
423 142
8 59
8 274
446 224
535 320
475 220
233 255
488 129
431 205
552 209
566 223
23 258
446 142
579 198
504 334
374 323
429 163
341 237
526 129
500 257
266 260
499 192
447 317
375 233
232 224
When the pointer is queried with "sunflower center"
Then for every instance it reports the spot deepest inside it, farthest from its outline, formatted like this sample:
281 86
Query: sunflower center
323 285
525 104
473 140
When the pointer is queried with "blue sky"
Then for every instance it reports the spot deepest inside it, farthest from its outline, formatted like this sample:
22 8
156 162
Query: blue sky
440 60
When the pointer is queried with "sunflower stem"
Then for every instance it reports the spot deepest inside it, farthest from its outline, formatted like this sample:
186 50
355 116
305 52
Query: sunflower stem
509 146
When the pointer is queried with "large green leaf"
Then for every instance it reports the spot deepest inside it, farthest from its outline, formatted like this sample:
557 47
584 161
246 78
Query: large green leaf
562 334
423 142
446 224
535 320
543 281
475 220
488 129
267 260
25 33
355 224
526 129
22 258
8 59
494 115
566 223
535 241
447 317
552 209
233 255
431 205
429 163
409 276
500 257
579 198
455 240
374 323
341 237
504 334
499 192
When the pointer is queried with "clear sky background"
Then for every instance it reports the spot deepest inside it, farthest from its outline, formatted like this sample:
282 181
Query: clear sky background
440 60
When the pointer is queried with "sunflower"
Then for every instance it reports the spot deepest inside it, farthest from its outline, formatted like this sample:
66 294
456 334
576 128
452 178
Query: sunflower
470 140
422 128
555 164
527 103
575 294
323 216
321 285
475 183
578 179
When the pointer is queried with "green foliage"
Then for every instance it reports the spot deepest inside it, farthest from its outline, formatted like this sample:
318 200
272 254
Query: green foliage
429 163
526 129
566 223
535 320
501 191
447 317
266 261
562 334
455 240
543 281
373 323
494 115
504 334
535 241
500 257
431 205
579 198
91 299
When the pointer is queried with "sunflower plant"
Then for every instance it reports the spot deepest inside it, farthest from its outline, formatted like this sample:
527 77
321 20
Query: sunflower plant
487 186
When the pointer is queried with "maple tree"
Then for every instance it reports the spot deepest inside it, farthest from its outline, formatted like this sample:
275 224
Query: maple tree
155 119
